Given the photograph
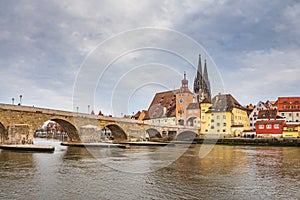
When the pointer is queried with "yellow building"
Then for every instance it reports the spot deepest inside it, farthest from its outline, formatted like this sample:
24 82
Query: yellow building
224 115
291 131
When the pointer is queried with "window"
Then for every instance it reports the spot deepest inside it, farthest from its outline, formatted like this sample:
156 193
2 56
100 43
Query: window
269 126
218 124
276 126
284 107
284 102
224 124
296 106
224 130
250 124
218 117
224 116
261 126
297 114
290 114
212 120
282 114
212 127
251 118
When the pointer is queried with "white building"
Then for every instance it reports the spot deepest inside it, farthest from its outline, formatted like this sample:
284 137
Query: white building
254 114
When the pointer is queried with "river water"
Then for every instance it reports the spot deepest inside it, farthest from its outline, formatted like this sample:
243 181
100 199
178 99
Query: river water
227 172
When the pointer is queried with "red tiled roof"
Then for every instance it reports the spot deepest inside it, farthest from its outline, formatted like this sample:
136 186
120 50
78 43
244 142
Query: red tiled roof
163 101
270 122
291 125
287 104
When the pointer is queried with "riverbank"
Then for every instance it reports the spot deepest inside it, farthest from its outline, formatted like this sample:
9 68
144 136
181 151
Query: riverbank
249 141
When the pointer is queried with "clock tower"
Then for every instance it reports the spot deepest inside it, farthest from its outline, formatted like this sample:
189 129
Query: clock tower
183 98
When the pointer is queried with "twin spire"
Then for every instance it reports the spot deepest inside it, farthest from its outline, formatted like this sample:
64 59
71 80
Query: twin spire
201 83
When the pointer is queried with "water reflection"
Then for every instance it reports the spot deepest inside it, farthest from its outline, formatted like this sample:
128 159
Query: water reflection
227 172
16 165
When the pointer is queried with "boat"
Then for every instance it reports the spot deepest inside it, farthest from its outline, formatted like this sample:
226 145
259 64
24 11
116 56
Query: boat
28 147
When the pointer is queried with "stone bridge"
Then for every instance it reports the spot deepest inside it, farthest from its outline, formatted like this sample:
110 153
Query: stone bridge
19 123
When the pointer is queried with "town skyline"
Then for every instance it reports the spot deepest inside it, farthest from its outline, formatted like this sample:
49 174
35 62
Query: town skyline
253 44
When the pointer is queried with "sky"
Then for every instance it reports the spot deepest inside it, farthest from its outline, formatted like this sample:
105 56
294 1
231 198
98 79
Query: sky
115 55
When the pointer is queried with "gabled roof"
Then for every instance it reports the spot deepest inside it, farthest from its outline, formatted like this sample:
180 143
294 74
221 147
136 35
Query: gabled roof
162 105
268 114
225 102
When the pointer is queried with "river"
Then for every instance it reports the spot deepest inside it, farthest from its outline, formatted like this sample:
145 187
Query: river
226 172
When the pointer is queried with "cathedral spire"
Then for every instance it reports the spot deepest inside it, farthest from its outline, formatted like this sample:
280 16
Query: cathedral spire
199 72
201 83
198 78
206 83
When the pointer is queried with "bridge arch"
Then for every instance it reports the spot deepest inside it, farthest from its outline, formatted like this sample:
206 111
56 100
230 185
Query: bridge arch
153 133
3 133
67 126
117 132
192 121
186 136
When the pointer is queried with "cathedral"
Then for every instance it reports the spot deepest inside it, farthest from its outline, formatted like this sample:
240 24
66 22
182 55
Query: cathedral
201 84
181 106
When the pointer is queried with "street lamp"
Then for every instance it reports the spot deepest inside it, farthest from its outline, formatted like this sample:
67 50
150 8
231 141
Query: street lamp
21 99
77 108
13 101
88 109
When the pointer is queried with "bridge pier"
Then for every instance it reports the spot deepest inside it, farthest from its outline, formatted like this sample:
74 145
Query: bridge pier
19 134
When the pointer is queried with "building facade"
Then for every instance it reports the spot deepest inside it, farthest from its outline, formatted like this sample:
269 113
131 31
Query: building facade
270 127
224 115
291 130
193 115
254 114
289 108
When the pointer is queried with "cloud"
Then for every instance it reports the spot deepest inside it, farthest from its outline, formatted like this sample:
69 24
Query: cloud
265 75
43 43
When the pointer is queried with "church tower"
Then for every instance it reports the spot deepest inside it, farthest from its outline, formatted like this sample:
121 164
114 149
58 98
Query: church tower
201 83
